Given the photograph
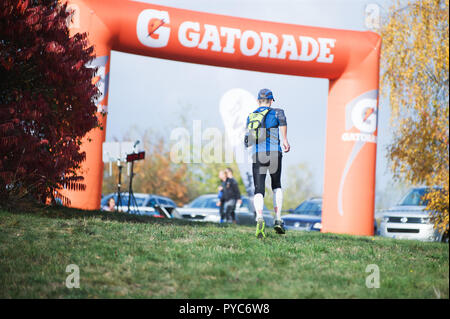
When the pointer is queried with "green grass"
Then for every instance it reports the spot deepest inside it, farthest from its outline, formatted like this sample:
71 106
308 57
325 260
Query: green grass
142 257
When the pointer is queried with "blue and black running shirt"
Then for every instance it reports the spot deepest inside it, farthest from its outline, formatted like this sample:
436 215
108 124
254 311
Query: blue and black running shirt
274 119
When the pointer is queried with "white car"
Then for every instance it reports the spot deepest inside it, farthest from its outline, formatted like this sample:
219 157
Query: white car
409 219
204 208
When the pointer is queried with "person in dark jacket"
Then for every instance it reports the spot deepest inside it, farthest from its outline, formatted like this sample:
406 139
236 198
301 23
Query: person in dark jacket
221 201
232 196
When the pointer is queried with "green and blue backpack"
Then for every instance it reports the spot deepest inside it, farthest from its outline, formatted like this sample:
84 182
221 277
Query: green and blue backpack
257 124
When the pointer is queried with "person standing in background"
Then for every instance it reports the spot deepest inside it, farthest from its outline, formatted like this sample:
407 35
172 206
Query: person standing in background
221 201
232 196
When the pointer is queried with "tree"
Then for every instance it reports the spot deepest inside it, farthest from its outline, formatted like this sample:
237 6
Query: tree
47 99
205 178
415 77
158 174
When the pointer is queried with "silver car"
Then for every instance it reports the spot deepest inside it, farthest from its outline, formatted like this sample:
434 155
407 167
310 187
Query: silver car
409 219
204 208
144 204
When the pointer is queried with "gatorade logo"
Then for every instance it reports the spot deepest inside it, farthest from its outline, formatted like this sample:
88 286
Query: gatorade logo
150 29
361 113
153 31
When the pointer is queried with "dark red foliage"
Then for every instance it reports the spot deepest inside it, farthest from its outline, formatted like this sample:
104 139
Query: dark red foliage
46 99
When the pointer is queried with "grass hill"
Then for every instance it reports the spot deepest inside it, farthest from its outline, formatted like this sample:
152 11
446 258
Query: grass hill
126 256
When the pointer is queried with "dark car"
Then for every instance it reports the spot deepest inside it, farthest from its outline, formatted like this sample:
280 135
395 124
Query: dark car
307 216
146 204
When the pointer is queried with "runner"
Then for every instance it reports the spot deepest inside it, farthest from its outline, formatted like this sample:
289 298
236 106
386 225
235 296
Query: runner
263 126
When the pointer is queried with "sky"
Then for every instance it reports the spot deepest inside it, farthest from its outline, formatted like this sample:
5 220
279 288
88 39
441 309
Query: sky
151 93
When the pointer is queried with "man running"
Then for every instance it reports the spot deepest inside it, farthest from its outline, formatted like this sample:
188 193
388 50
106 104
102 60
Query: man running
263 127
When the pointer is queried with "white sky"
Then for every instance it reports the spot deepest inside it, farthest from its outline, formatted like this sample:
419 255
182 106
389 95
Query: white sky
149 92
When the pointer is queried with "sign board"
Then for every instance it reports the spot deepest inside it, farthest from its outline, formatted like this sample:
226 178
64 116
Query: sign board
135 156
113 151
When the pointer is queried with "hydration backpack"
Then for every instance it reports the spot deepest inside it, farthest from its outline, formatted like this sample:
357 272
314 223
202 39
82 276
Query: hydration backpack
256 126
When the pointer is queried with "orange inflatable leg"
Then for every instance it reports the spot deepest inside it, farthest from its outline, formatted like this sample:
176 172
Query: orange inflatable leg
350 156
91 169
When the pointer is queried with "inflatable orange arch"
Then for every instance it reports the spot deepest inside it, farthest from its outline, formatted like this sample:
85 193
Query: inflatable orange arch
349 59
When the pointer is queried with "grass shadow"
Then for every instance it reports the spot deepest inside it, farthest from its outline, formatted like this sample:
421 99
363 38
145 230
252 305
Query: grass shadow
61 212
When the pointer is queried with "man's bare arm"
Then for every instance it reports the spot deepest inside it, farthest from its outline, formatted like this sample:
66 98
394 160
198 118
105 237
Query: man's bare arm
286 145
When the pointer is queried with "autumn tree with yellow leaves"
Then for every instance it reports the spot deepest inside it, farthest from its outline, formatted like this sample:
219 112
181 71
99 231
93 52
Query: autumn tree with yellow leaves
415 78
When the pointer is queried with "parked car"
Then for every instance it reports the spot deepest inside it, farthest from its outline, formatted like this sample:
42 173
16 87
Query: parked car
308 216
409 219
204 208
146 204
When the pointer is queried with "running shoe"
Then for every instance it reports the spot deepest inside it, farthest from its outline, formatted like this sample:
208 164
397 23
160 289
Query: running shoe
279 227
260 227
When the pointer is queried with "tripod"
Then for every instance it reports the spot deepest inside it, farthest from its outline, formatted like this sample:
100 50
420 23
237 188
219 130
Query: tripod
119 166
130 191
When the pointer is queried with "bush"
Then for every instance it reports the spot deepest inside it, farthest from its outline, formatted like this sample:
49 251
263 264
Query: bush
46 99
